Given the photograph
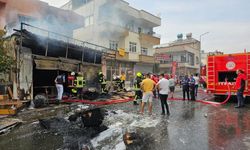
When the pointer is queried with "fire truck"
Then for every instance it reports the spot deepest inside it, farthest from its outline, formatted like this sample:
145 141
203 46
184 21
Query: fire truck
221 70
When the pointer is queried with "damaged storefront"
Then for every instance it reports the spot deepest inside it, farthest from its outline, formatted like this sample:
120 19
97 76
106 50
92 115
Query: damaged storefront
40 58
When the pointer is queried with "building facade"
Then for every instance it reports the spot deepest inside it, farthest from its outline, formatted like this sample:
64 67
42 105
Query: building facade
185 52
39 14
118 26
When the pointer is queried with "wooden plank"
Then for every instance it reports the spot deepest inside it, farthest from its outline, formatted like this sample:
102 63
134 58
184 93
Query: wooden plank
4 97
7 112
3 103
10 92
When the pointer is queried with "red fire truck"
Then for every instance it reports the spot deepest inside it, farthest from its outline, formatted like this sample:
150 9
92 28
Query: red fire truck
223 67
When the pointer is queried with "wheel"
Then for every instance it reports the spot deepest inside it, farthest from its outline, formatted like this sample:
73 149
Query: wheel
40 100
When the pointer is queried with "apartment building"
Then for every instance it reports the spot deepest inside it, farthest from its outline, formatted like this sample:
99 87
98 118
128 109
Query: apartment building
186 52
39 14
118 26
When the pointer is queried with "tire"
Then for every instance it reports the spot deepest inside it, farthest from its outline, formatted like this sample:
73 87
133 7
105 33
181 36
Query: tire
40 101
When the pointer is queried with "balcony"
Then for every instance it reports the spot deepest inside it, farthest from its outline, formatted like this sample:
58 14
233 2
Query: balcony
150 18
167 65
147 59
111 29
149 38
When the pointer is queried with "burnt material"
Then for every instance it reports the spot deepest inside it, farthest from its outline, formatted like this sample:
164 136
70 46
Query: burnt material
47 46
92 118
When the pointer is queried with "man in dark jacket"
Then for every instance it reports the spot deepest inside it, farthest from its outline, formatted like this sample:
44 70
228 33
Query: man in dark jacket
240 87
185 86
192 87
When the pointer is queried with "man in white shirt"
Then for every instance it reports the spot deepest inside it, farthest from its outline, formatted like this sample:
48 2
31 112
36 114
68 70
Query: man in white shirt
163 87
197 80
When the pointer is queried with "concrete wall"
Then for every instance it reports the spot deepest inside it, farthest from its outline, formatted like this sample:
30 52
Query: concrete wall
26 71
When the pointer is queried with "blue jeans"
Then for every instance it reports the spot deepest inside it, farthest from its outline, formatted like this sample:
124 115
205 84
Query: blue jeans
240 98
59 88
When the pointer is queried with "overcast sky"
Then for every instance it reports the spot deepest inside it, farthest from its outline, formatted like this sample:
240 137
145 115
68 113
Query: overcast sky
227 21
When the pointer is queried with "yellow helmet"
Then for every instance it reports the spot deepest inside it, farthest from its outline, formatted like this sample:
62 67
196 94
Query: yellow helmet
138 74
74 90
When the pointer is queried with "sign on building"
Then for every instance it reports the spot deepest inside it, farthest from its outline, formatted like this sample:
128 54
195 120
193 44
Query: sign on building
162 57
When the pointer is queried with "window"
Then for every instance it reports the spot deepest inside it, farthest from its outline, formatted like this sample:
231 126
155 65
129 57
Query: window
183 58
230 76
144 51
113 45
197 60
89 20
132 47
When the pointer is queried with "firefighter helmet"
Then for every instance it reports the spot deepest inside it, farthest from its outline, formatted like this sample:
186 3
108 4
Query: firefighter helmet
138 74
74 90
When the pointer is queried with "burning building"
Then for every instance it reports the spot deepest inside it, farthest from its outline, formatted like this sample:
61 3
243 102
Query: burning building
40 54
38 13
120 27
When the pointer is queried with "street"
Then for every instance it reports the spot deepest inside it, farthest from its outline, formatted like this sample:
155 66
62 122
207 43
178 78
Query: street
191 125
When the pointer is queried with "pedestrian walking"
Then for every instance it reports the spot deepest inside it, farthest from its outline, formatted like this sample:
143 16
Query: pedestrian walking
240 87
59 81
197 81
163 87
192 87
171 86
147 87
185 87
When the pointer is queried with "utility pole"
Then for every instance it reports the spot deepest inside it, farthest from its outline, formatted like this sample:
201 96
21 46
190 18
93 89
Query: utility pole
200 50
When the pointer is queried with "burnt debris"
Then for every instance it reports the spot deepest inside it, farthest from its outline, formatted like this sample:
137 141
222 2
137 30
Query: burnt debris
45 46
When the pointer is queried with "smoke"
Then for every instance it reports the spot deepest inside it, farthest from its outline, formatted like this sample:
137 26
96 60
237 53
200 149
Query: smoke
39 14
119 13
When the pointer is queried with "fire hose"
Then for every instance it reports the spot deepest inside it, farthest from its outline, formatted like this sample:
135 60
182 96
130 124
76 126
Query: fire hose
211 102
218 103
109 102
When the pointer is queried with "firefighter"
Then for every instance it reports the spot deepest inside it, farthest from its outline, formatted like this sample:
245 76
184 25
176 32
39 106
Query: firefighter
102 82
79 81
137 87
123 79
117 82
192 87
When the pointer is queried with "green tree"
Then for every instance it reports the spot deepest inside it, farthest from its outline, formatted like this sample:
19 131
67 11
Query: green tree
6 61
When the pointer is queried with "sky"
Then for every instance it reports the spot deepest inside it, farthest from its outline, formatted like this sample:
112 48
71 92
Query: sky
226 21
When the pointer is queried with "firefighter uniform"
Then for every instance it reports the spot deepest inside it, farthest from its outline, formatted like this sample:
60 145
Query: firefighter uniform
102 82
137 88
123 79
79 83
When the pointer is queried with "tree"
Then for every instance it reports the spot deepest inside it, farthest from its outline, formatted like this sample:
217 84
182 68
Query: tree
6 61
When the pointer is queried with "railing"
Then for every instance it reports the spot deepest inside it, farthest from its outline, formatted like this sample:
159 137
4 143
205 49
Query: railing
61 37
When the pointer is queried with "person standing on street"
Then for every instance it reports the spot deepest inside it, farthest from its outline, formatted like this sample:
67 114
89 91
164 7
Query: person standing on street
185 87
171 86
59 80
240 87
197 80
163 87
123 79
147 87
192 87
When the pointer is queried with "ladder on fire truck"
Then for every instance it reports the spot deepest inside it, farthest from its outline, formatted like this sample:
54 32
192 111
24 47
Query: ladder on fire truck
248 72
211 73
